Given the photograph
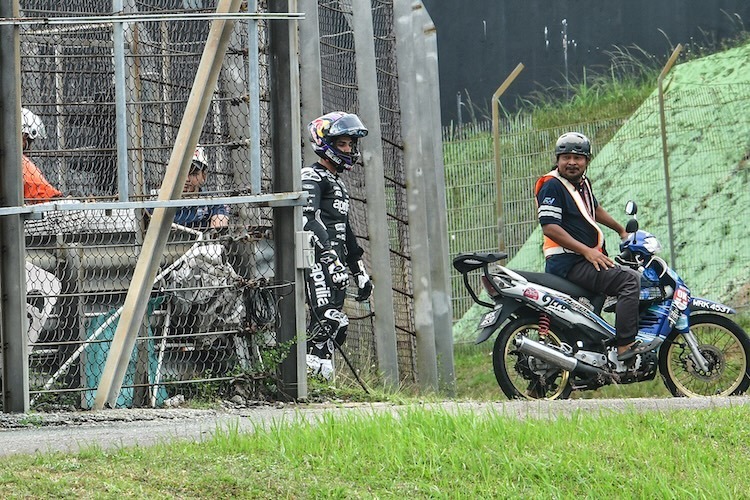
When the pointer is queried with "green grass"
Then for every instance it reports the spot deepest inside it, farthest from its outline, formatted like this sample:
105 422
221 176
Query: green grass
597 97
474 376
422 453
419 453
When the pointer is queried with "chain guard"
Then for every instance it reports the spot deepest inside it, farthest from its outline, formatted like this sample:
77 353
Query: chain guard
537 372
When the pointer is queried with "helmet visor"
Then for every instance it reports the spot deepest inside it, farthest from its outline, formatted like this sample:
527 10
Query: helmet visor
349 125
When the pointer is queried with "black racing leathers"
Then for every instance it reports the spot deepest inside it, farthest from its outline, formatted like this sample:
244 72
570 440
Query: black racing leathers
326 215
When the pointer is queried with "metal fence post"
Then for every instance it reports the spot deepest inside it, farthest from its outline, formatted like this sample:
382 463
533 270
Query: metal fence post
253 102
408 69
496 146
287 155
429 98
118 40
12 265
665 153
311 90
369 109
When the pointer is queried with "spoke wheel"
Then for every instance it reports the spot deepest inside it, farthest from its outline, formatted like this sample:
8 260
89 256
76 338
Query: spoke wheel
724 346
521 376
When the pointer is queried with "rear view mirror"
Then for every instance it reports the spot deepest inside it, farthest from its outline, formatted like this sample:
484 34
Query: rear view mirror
631 208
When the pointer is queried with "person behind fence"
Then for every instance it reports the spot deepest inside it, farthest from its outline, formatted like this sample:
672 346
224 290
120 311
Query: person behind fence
334 138
36 187
205 216
570 214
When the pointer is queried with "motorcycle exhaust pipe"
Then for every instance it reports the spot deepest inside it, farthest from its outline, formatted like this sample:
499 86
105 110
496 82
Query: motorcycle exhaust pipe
557 358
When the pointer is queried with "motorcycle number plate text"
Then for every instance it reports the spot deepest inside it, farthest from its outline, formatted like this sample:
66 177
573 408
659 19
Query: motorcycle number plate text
490 318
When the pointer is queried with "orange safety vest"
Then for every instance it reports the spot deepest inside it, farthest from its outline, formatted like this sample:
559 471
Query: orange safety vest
35 186
551 247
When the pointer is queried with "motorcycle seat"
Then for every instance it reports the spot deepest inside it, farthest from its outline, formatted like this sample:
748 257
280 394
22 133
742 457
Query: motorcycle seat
565 286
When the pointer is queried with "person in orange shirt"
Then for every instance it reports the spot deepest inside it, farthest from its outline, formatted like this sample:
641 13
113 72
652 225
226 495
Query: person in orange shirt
36 187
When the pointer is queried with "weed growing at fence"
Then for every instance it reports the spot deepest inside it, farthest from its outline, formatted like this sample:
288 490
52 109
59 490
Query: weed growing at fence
257 380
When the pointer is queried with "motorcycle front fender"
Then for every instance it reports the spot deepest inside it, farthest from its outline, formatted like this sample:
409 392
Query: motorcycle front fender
508 307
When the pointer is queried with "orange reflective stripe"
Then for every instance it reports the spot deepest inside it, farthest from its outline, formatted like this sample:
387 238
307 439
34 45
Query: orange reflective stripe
539 183
549 246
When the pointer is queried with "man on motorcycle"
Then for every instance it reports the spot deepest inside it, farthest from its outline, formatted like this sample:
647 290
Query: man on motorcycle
569 214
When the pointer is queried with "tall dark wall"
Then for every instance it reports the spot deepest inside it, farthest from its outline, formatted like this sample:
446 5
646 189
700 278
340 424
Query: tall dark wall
481 41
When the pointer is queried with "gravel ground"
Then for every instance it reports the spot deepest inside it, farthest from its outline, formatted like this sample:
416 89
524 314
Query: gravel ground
71 431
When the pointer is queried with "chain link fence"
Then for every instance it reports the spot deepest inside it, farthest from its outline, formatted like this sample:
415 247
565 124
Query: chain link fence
213 312
339 89
708 144
212 315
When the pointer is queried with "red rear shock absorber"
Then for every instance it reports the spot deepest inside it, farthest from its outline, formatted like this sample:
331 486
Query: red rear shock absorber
543 324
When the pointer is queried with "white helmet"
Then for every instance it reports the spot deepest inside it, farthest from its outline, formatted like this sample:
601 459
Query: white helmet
199 159
32 125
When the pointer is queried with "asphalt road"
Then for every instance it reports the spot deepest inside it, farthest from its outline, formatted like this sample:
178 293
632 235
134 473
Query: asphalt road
72 431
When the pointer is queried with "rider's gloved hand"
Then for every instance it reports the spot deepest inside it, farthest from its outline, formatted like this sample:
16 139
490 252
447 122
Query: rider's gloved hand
364 283
339 274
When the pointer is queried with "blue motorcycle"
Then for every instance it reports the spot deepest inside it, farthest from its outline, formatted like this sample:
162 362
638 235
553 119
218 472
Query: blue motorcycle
553 340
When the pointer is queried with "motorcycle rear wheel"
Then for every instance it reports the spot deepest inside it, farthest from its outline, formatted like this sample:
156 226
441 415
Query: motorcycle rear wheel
725 346
519 379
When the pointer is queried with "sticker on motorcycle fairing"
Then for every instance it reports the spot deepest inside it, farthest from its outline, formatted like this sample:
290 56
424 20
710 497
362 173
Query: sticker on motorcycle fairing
531 293
489 318
681 298
674 315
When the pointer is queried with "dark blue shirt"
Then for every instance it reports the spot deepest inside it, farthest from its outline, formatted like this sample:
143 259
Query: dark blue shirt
197 217
556 206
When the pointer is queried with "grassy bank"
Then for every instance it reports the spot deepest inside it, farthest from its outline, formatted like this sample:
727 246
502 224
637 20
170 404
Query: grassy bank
419 454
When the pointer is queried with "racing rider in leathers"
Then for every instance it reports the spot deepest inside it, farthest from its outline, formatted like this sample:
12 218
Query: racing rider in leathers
334 138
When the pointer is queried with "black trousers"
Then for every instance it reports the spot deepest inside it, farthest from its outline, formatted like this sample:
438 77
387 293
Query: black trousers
619 282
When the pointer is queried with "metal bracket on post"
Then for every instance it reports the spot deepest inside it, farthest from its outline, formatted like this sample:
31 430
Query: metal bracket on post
305 253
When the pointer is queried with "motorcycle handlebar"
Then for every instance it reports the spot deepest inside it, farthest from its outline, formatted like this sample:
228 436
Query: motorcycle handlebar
626 258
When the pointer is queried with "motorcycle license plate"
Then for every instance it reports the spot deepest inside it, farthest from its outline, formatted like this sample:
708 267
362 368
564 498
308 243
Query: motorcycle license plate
490 318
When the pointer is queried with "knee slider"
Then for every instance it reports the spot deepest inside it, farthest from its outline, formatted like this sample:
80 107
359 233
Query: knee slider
337 319
329 325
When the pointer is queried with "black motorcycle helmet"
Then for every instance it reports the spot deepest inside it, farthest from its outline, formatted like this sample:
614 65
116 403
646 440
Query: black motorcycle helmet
573 142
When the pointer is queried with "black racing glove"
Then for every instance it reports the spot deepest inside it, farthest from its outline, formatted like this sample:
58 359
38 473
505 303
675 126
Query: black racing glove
339 274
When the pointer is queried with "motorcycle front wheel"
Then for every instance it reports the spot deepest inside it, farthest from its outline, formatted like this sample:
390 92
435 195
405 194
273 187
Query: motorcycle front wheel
723 344
521 376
